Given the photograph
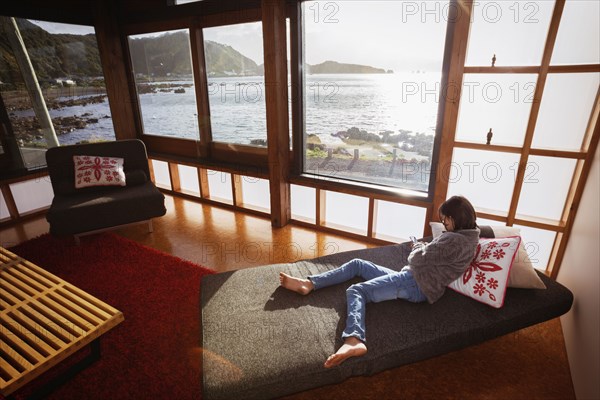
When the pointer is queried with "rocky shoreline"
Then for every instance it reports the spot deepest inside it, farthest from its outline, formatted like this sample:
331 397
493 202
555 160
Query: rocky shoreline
27 130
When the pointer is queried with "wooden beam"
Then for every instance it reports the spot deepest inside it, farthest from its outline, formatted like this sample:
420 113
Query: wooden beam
9 200
174 177
114 64
502 70
372 218
203 183
275 54
535 108
457 36
321 201
201 87
236 190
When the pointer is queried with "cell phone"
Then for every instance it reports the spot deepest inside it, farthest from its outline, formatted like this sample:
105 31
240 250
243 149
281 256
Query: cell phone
414 239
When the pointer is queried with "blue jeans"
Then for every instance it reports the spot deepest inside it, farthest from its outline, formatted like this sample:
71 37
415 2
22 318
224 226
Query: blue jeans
380 284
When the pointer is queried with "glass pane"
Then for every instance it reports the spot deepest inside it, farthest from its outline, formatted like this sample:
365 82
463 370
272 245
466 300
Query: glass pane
32 195
544 176
236 89
485 102
66 64
162 178
514 32
162 66
538 244
398 222
256 193
219 184
578 39
486 178
303 203
346 212
565 110
370 94
188 179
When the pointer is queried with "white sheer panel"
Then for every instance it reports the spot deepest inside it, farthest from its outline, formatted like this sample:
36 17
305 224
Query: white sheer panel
303 203
4 214
188 179
344 211
256 193
32 194
219 184
565 110
486 178
398 222
538 243
514 31
546 186
501 102
578 39
162 177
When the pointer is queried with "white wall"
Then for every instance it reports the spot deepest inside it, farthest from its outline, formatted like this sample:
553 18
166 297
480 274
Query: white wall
580 272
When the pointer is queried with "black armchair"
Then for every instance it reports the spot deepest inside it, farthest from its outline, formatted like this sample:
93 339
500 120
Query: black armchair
91 209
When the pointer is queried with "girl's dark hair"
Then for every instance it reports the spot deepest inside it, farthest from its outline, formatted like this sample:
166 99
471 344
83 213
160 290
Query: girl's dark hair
461 211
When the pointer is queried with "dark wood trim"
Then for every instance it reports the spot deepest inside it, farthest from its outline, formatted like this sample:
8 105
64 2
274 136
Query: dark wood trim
174 177
297 88
372 218
201 87
115 67
231 18
275 54
203 183
487 147
571 69
502 70
457 37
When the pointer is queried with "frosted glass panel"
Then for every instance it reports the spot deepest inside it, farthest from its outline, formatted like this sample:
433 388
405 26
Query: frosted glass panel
256 193
162 177
565 110
538 244
578 39
303 203
32 195
546 186
345 211
4 214
486 178
219 184
500 102
398 222
188 179
515 31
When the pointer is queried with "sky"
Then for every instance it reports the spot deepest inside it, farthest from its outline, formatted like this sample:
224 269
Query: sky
55 27
410 35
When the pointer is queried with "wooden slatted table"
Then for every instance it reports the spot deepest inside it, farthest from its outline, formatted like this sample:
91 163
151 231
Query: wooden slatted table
43 320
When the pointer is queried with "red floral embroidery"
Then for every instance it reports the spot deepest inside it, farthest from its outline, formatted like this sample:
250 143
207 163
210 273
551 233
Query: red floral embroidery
477 266
486 254
492 283
97 166
479 289
480 277
498 254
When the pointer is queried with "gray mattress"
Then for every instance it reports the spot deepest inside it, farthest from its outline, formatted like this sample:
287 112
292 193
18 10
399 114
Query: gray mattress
262 341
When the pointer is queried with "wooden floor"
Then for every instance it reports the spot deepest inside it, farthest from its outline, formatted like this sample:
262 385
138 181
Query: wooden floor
528 364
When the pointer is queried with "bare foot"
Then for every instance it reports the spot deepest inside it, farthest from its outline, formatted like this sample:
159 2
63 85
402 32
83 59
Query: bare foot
302 286
352 347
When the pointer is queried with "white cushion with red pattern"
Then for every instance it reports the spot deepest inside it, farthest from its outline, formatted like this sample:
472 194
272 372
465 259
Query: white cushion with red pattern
486 278
98 171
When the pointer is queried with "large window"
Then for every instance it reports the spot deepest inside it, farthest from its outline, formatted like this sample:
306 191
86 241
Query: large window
66 73
372 73
165 85
236 85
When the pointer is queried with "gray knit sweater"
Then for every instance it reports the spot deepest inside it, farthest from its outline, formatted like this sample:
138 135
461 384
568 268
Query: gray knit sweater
436 264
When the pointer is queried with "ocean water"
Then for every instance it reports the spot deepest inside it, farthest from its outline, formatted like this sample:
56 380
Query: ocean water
333 103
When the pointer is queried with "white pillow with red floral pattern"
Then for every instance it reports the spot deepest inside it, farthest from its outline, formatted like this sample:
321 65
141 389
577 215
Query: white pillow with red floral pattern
486 278
98 171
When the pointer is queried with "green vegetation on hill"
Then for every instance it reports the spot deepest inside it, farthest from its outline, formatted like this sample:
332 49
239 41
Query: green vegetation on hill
333 67
52 55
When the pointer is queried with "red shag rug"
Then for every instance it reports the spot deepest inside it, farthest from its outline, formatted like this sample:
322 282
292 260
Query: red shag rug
153 354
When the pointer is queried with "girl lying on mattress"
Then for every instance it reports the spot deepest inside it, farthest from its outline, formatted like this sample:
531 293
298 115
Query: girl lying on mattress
431 267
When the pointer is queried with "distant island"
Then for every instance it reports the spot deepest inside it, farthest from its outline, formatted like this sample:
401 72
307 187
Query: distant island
334 67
